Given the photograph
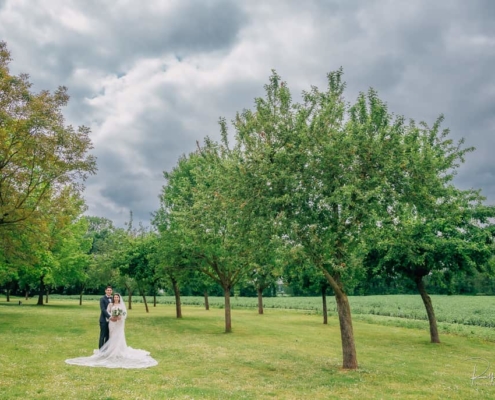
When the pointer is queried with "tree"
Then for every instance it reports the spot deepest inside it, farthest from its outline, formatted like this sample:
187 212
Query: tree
12 261
61 227
102 236
265 268
73 258
171 264
452 237
300 274
201 207
133 263
325 173
38 153
43 163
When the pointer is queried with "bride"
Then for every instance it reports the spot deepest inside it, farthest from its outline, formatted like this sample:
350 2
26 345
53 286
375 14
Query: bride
115 353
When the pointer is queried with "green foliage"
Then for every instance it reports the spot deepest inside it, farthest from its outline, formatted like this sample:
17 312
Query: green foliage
327 183
38 154
202 223
43 164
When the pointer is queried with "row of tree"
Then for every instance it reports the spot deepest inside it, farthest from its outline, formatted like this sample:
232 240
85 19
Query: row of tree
335 192
320 194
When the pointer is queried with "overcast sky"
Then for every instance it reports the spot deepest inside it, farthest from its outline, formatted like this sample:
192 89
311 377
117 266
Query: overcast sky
152 77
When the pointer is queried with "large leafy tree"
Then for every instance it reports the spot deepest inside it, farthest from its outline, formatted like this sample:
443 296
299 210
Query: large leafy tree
326 174
452 237
73 258
137 265
102 235
201 205
262 253
38 152
61 232
172 265
41 160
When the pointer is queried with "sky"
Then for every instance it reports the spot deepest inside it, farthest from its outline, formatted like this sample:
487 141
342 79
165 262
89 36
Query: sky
150 78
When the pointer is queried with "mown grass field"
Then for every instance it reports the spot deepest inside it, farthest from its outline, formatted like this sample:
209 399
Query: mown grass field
283 354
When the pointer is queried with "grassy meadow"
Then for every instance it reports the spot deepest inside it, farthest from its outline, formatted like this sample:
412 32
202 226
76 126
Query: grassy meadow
283 354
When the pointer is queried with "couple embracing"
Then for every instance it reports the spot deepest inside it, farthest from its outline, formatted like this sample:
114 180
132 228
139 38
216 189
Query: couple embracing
112 309
113 351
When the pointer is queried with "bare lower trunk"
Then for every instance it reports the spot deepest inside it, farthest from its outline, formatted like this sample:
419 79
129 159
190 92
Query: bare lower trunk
207 304
228 320
435 338
346 331
154 299
41 292
260 301
27 294
81 295
8 295
349 355
178 306
324 304
129 297
46 294
144 300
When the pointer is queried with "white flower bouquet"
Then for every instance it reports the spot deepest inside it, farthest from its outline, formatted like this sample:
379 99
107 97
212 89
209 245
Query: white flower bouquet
117 312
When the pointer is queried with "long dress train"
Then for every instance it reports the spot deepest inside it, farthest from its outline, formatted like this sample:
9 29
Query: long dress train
115 353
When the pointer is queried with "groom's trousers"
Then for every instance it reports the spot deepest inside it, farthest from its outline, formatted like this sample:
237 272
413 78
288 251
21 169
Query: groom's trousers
104 334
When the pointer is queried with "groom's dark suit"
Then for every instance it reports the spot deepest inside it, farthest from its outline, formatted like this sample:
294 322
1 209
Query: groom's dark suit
104 333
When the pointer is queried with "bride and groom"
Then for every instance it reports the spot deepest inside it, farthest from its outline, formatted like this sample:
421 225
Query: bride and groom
113 351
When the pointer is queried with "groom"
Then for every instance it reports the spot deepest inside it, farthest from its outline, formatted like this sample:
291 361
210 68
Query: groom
104 316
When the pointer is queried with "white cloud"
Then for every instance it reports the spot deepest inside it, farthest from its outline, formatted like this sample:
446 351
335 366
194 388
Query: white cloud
152 78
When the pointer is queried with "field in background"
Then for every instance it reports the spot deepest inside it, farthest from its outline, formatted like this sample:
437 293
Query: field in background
463 315
284 354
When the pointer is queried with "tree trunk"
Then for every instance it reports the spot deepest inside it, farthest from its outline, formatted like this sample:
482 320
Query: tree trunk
144 300
207 304
178 307
324 304
46 294
8 295
349 355
27 294
42 291
429 310
81 295
154 299
228 320
260 300
129 298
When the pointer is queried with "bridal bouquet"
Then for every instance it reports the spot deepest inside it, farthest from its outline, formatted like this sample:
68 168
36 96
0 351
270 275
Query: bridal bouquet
117 312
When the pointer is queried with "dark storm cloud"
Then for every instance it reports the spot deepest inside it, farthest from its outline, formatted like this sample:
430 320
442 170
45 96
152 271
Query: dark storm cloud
191 27
152 79
125 189
116 34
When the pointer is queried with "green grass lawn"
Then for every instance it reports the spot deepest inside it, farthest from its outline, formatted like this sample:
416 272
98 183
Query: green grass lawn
283 354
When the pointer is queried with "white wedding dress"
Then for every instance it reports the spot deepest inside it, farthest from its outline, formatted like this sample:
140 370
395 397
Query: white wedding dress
115 353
